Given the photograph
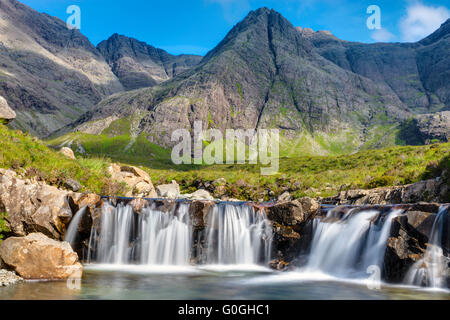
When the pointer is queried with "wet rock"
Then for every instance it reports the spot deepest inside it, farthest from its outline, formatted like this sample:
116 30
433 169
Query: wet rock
68 153
279 265
292 226
198 212
171 191
8 278
6 113
406 244
34 207
138 204
39 257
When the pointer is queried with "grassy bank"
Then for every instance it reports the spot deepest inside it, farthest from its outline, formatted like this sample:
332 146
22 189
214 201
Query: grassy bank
32 158
309 175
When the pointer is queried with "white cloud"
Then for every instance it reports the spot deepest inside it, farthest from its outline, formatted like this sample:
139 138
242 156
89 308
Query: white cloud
233 10
382 35
422 20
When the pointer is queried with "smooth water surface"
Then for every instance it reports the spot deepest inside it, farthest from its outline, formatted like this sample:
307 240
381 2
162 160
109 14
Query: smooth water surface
208 282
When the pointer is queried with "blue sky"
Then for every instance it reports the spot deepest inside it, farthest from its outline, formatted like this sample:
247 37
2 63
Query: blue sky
196 26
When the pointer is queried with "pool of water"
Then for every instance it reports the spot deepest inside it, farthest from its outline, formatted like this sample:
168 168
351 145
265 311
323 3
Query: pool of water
208 282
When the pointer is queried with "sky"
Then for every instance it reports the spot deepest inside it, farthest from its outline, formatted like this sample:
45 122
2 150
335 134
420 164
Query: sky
197 26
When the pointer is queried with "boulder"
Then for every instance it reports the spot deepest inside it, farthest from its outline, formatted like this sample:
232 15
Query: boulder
295 212
6 113
171 191
39 257
286 196
72 184
201 195
34 207
68 153
137 180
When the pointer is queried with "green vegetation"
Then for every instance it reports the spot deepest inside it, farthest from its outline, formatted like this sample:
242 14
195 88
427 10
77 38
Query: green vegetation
32 158
3 225
300 175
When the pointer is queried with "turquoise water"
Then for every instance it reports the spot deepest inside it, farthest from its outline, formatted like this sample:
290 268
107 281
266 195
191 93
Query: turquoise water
209 282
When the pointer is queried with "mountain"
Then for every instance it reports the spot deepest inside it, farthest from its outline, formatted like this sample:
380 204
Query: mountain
418 73
50 75
139 65
265 73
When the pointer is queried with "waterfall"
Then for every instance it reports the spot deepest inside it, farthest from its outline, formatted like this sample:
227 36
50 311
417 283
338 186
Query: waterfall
234 234
430 271
346 247
238 235
72 230
165 239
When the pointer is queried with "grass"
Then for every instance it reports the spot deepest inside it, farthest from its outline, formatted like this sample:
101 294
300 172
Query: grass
32 158
302 176
4 229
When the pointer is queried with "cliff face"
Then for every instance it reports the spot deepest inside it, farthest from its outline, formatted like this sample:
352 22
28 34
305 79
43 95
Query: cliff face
416 72
49 74
139 65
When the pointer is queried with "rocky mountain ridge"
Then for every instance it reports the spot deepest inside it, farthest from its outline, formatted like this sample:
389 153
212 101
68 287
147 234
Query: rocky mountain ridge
139 65
322 92
51 75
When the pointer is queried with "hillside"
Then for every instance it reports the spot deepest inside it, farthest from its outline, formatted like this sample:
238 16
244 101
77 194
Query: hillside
49 75
305 175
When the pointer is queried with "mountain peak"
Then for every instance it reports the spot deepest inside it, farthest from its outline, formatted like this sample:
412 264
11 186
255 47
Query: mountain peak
442 32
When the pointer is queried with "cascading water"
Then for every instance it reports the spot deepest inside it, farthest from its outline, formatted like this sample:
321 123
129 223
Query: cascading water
348 246
430 271
165 239
72 230
238 235
234 234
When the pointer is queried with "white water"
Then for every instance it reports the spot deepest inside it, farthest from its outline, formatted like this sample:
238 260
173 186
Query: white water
430 270
72 230
346 248
238 235
165 239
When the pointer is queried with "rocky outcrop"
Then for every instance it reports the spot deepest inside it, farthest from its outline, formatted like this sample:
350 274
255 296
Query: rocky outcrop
137 180
408 240
33 206
39 257
434 127
433 190
6 113
67 152
292 226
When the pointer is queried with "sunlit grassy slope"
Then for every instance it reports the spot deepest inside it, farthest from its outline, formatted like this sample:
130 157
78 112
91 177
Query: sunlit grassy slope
303 175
